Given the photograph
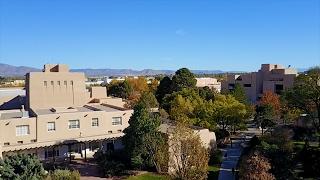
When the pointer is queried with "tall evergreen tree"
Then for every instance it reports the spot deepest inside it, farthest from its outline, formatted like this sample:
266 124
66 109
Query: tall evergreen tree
239 93
140 136
183 78
163 88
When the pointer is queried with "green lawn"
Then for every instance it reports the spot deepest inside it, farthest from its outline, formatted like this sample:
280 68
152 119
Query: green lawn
213 172
148 176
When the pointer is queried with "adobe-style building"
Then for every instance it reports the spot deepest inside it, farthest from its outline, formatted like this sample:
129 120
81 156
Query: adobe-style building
62 118
271 77
212 83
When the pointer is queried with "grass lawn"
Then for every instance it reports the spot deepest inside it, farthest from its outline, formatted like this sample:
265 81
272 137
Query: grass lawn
148 176
213 172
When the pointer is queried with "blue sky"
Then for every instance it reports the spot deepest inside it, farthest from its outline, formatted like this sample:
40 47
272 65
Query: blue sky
160 34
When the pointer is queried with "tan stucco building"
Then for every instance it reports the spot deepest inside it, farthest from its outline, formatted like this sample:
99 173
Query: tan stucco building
212 83
271 77
62 117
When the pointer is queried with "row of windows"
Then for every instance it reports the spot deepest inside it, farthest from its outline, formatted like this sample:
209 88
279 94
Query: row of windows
23 130
45 83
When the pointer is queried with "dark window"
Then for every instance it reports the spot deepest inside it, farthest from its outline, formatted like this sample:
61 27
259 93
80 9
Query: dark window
48 153
20 142
278 88
231 86
6 144
110 146
247 85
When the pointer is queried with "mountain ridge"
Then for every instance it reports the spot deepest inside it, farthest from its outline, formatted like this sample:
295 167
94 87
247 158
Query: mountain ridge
10 70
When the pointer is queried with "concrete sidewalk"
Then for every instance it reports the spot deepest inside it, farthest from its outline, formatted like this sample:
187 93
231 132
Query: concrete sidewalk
230 161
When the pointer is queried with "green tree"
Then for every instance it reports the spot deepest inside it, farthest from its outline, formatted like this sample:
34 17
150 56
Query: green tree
265 116
120 89
239 93
149 100
305 95
141 135
206 93
183 78
21 166
228 111
163 88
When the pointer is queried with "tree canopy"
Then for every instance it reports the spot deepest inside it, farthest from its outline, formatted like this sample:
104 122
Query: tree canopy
305 95
141 136
21 166
183 78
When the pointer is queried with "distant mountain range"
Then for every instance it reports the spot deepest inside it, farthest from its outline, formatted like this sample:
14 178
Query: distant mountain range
9 70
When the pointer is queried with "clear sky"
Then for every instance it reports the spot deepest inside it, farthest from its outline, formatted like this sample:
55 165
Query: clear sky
160 34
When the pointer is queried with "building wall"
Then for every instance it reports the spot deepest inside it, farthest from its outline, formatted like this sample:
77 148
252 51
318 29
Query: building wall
210 82
8 131
62 133
268 78
56 88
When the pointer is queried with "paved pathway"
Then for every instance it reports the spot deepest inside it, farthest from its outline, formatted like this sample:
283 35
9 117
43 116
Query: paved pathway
234 153
230 160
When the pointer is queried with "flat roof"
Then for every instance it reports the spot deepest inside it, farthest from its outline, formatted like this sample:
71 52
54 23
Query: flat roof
12 92
11 114
61 110
85 108
104 108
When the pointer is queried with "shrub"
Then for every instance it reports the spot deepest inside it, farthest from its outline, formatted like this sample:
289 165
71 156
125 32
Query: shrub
112 168
60 174
215 157
111 163
21 166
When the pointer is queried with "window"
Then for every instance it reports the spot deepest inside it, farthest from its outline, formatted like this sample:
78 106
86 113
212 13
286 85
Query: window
119 131
278 88
247 85
51 126
33 140
22 130
6 143
95 122
74 124
110 132
52 83
20 142
231 86
116 121
48 153
71 82
65 83
58 82
45 83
